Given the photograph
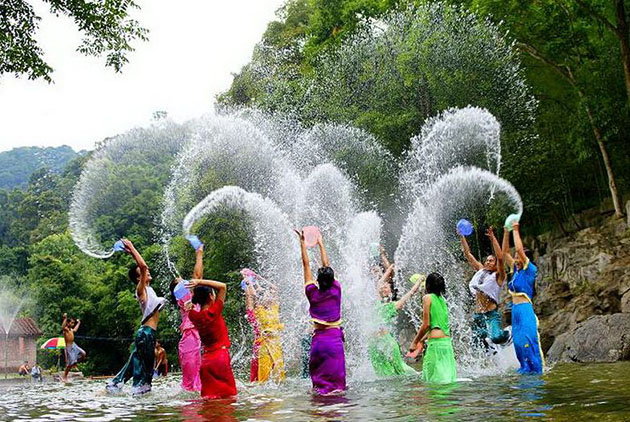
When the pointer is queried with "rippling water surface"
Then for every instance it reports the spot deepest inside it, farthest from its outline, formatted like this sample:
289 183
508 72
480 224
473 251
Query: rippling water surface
565 393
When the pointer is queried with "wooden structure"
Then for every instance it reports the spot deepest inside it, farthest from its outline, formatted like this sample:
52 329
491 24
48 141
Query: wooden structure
22 342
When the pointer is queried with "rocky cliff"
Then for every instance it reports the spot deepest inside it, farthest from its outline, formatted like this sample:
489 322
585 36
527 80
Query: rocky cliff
583 301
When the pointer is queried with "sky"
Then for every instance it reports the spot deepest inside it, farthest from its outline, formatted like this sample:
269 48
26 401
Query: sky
194 46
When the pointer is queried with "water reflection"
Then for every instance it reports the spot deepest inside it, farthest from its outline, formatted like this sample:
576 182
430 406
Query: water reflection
530 389
566 393
209 410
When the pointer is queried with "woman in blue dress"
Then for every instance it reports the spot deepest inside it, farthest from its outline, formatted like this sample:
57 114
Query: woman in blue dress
522 288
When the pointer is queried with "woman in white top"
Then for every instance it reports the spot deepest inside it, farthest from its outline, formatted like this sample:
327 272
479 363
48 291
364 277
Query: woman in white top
140 363
486 286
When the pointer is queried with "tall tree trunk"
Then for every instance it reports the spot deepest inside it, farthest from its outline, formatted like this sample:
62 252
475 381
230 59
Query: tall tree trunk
567 72
624 41
601 143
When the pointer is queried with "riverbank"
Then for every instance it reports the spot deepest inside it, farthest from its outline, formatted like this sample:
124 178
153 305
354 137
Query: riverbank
583 300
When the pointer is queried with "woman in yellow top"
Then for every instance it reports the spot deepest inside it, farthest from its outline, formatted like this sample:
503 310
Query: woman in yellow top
263 314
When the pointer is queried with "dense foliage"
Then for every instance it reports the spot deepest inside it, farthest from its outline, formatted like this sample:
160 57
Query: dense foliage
574 57
105 25
40 261
17 165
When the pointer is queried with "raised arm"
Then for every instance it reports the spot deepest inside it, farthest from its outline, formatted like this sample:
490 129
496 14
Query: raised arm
142 265
401 302
250 293
158 361
198 270
426 320
384 260
306 266
221 288
386 275
76 327
498 253
322 251
64 323
518 243
469 256
505 249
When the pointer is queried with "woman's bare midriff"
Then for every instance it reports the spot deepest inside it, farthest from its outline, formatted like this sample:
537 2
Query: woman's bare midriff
323 327
437 333
484 304
153 321
516 299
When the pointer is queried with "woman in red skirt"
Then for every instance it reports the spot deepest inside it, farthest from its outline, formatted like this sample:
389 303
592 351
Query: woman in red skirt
217 379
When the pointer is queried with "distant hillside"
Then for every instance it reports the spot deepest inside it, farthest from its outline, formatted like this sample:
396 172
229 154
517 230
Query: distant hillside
17 165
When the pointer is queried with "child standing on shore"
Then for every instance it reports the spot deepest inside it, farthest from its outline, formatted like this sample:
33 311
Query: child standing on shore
74 354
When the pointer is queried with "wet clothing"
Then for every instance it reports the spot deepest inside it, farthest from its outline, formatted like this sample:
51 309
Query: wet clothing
438 314
523 281
325 305
142 358
438 363
217 379
524 321
151 304
485 281
253 370
270 359
139 365
327 362
385 354
488 325
189 349
73 354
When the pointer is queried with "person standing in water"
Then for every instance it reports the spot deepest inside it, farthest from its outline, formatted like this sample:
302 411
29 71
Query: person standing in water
189 349
161 360
140 363
438 364
486 286
327 361
385 354
522 288
263 314
217 379
74 354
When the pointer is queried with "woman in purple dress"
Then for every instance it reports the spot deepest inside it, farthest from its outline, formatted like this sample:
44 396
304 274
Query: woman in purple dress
327 361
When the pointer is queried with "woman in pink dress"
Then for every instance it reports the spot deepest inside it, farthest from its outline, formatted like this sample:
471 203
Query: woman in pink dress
190 344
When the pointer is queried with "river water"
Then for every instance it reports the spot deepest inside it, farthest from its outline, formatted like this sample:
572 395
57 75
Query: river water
567 392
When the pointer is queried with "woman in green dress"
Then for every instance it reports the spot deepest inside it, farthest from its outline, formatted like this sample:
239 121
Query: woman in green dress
438 363
385 354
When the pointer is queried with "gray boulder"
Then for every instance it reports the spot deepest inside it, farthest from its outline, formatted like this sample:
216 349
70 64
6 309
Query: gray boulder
601 338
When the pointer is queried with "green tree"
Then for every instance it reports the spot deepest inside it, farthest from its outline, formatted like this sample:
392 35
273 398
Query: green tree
106 26
576 40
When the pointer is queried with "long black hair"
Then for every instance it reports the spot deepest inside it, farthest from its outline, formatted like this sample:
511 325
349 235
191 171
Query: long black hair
133 273
435 284
325 278
202 294
171 288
